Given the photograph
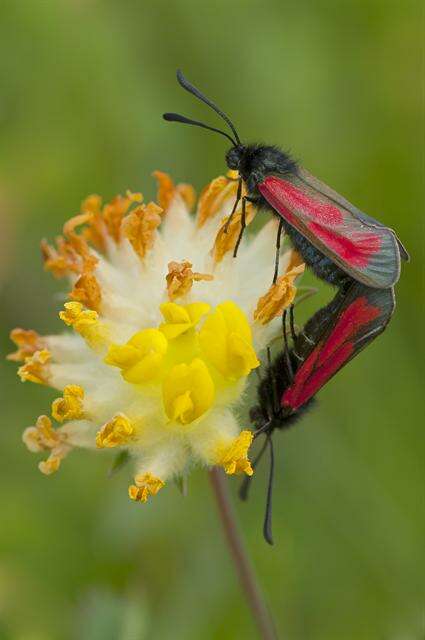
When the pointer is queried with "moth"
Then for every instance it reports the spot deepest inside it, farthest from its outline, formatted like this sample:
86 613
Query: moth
335 239
332 337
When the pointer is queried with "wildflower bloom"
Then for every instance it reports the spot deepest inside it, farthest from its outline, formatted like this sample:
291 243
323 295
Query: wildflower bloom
162 329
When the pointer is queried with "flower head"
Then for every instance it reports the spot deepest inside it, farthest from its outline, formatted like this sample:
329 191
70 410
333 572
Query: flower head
162 330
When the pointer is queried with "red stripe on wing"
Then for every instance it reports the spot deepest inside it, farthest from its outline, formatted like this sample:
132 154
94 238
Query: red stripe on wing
300 392
326 221
326 358
321 212
356 250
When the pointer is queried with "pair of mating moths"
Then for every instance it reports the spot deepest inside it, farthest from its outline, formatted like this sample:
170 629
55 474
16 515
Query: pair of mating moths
343 246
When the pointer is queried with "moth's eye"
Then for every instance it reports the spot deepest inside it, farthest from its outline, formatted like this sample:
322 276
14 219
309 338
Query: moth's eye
232 159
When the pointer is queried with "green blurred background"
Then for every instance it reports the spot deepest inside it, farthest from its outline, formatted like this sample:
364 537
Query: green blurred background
83 85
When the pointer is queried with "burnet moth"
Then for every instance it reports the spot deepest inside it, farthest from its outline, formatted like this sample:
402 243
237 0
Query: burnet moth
330 339
341 245
335 239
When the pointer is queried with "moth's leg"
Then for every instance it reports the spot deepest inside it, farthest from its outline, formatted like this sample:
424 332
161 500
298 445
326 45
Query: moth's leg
270 371
307 338
277 256
294 333
232 213
292 323
243 226
286 347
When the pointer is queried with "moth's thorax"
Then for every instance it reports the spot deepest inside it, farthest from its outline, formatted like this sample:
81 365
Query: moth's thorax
255 161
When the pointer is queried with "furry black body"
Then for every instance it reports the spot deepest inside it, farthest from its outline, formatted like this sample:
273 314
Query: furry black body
280 373
268 410
254 162
269 415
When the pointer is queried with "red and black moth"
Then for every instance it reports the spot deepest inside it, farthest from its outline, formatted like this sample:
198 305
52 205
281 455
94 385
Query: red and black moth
336 240
330 339
342 246
339 243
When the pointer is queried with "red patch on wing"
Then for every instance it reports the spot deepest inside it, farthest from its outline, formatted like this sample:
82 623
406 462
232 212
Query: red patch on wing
297 395
274 196
322 219
355 250
327 358
285 193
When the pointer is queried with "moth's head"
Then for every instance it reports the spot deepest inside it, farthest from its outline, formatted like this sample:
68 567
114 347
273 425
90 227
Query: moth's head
235 156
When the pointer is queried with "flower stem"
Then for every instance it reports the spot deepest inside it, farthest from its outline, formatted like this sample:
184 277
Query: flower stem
247 577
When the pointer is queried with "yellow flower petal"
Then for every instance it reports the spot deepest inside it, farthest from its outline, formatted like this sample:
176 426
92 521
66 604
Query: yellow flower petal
141 358
85 322
36 367
27 341
234 457
226 341
116 432
122 356
42 436
70 407
188 391
180 318
146 485
49 466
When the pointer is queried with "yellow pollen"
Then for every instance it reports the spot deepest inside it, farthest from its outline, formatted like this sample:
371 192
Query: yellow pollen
49 466
85 322
228 234
188 194
42 436
139 227
280 295
91 204
141 358
76 316
180 318
187 392
71 255
166 189
146 485
70 407
180 279
226 341
134 196
87 291
36 368
234 458
116 432
28 342
113 214
213 197
75 245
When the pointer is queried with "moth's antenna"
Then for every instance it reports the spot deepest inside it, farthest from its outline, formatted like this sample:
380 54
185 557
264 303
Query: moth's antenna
267 527
176 117
183 82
